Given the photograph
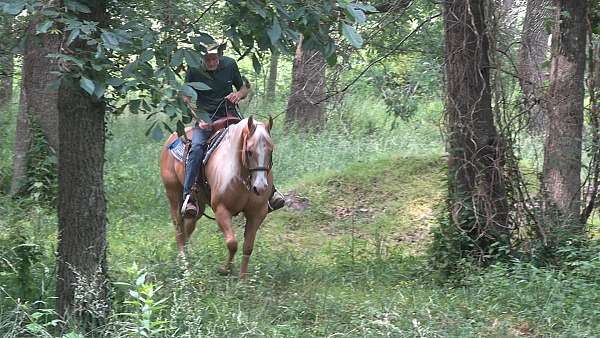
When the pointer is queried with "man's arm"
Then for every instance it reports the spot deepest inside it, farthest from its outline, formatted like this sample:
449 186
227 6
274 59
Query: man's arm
236 97
241 83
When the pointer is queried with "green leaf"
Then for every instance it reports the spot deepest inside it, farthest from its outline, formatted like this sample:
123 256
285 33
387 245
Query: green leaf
134 106
87 85
110 40
256 64
192 58
352 35
171 77
75 6
69 58
141 279
14 8
202 38
157 134
114 81
99 52
73 35
146 56
148 131
366 8
167 127
34 328
43 27
199 85
99 90
50 13
171 111
275 31
177 58
189 91
357 13
180 128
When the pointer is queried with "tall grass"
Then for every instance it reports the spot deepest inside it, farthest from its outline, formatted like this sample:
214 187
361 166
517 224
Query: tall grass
349 265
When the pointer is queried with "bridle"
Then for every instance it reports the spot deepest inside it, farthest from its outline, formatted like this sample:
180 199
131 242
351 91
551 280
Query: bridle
259 168
245 157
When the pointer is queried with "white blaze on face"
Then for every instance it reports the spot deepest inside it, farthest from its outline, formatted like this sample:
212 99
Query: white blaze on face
259 177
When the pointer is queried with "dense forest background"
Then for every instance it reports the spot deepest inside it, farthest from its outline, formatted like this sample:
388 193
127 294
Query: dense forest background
440 162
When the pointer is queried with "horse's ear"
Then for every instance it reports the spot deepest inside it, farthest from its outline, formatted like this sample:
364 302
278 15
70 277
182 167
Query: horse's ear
270 125
251 126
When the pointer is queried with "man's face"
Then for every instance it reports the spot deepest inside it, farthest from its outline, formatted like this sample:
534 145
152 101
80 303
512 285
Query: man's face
211 61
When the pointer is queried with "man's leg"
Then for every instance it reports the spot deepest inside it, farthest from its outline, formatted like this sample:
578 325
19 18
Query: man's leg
192 168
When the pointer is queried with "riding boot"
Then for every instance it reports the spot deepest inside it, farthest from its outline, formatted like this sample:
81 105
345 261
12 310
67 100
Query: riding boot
276 201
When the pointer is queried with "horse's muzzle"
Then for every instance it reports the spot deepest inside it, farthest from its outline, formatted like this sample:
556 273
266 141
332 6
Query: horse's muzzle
260 186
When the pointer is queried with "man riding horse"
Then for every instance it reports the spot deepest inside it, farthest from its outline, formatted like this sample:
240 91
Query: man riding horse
220 73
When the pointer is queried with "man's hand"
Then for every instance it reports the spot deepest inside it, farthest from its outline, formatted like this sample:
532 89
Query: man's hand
234 97
203 125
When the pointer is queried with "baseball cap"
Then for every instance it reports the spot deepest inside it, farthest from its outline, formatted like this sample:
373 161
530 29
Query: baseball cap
215 47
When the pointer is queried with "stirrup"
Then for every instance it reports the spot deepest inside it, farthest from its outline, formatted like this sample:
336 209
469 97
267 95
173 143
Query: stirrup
189 209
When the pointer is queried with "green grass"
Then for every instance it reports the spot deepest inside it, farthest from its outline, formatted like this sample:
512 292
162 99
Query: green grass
352 264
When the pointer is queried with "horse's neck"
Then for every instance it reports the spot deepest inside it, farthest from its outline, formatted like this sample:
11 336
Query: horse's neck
229 158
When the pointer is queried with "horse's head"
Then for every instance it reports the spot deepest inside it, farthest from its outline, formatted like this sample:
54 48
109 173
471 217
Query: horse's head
257 154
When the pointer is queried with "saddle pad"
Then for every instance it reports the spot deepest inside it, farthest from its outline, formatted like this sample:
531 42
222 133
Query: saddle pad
177 149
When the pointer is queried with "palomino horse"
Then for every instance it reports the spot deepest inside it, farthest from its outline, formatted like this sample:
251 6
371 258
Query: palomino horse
240 179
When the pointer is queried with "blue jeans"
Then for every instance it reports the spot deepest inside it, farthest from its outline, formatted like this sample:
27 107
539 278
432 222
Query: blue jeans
195 157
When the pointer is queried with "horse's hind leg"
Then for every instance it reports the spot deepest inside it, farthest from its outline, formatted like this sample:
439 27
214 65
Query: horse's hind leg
175 201
252 224
223 217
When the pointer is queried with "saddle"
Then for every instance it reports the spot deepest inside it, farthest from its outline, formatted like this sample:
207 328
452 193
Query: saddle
219 130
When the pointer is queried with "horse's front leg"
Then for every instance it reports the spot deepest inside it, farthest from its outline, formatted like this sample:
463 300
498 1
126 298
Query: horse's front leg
253 222
223 217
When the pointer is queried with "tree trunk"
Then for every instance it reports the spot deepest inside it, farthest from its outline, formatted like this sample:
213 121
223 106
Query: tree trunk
477 197
307 89
593 179
6 61
38 100
272 82
38 76
562 152
82 287
6 79
22 144
532 55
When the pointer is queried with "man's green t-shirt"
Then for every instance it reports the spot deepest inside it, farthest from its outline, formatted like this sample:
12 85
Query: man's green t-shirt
221 82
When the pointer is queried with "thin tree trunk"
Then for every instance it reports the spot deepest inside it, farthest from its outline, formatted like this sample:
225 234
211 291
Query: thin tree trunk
477 197
272 82
6 61
22 144
532 55
562 151
82 287
6 79
307 89
591 191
